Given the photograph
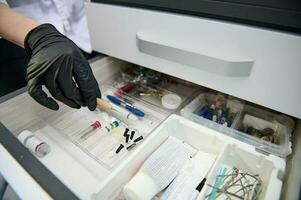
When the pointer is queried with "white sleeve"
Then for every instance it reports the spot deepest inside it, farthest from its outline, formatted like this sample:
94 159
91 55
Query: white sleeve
4 2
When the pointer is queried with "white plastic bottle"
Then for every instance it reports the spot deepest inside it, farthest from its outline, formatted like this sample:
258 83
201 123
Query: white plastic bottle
158 171
33 143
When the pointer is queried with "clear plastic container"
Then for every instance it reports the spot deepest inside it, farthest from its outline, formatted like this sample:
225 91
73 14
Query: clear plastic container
265 130
235 157
195 109
280 146
107 143
150 86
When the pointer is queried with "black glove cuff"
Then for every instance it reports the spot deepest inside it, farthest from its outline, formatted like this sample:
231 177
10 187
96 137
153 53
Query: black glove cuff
37 35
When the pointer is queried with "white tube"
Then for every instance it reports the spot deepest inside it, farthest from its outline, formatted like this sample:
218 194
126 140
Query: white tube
158 170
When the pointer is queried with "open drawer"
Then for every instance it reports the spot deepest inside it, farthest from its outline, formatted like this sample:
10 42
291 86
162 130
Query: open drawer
91 178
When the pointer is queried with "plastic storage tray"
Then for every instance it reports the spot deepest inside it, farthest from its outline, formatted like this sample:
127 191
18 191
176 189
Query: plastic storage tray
193 109
270 168
282 147
154 86
101 144
261 119
234 156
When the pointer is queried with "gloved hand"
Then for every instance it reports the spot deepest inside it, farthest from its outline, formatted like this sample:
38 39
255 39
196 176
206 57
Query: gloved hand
58 63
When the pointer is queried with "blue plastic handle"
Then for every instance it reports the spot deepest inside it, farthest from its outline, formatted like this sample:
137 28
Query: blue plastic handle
114 100
135 111
129 107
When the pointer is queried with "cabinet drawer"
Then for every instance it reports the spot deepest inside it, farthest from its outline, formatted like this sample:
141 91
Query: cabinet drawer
88 178
258 65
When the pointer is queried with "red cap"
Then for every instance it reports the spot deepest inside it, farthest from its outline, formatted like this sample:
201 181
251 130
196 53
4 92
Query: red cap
96 125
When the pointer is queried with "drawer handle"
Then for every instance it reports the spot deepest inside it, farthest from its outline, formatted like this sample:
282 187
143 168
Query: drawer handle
238 67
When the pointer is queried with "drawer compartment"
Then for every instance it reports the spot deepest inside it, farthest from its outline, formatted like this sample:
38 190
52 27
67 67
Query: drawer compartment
248 164
197 110
207 141
243 119
153 88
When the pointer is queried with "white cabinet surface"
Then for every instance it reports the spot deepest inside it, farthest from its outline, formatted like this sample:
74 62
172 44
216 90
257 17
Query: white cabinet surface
255 64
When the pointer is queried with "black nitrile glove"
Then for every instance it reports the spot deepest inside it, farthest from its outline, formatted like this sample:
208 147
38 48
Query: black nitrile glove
58 63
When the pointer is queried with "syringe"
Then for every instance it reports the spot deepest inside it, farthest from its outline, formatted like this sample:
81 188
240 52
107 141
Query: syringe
91 128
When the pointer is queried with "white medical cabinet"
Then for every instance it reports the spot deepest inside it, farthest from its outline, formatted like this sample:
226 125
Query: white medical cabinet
254 64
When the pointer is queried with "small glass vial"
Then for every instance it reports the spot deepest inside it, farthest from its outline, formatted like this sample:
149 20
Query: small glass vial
34 144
